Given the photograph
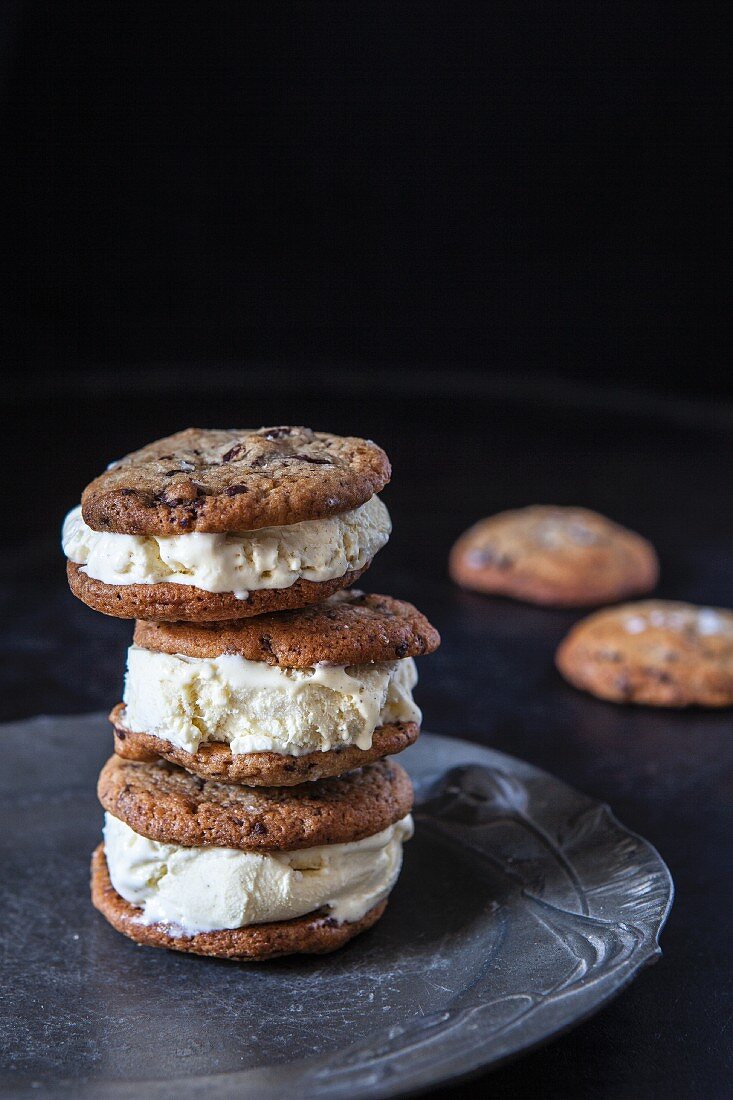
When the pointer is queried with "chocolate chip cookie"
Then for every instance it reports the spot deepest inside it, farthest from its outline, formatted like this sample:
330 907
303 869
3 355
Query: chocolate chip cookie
658 653
235 479
556 556
165 803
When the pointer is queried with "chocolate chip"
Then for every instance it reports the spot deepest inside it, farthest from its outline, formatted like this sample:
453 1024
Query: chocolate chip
235 490
488 555
312 459
259 828
234 452
330 922
183 492
401 649
120 735
623 686
659 675
266 642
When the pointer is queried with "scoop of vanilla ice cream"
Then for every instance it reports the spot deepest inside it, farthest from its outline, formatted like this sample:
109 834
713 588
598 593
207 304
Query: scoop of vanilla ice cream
205 889
271 557
256 707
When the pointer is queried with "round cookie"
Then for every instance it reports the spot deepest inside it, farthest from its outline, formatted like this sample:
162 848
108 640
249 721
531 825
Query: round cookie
315 933
350 628
239 479
165 803
555 556
656 652
215 760
165 601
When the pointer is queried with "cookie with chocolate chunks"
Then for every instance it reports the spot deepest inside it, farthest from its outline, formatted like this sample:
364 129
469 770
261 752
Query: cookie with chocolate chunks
237 479
659 653
556 556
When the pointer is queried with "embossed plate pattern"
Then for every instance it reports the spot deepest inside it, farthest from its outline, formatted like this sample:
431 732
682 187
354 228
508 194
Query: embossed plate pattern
523 907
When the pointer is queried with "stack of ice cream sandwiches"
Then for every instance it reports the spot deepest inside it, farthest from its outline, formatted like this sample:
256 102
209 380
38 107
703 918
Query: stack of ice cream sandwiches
252 807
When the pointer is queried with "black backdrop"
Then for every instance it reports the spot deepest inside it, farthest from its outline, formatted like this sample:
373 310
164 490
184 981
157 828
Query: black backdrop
492 237
499 187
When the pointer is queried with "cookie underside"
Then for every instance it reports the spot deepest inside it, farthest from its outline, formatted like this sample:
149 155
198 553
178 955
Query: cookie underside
314 934
167 601
215 760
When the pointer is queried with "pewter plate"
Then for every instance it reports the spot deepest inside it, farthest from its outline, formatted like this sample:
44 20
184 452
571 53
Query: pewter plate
522 908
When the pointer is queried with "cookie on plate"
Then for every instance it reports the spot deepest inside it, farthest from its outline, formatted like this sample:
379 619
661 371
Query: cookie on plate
656 652
209 525
556 556
215 869
279 699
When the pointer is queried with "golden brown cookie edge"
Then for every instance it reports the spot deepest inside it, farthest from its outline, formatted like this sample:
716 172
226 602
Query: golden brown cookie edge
174 602
214 760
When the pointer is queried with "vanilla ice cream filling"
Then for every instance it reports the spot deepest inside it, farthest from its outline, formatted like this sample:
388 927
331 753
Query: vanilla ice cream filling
256 707
205 889
271 557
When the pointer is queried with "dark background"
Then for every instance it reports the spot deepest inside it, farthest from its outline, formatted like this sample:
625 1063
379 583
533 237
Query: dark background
498 187
493 237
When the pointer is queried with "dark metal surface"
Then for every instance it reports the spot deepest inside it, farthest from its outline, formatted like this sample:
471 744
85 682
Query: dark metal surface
460 451
523 907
